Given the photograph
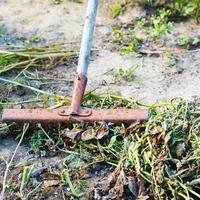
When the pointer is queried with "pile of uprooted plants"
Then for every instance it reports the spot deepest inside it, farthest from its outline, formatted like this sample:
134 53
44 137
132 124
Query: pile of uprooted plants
158 159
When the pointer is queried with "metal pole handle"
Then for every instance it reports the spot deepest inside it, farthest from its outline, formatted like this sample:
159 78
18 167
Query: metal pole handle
86 44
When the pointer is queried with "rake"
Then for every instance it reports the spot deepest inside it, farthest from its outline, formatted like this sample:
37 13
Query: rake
75 113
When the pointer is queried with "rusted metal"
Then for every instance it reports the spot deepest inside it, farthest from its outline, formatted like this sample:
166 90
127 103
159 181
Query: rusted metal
52 116
80 83
78 92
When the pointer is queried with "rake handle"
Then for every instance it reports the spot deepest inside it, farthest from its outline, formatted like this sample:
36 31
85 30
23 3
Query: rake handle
87 39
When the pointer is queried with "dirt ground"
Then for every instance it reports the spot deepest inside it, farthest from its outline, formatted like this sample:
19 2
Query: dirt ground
157 79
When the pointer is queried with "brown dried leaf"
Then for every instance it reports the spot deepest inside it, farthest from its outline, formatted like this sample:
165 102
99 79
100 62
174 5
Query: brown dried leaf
49 183
120 183
51 179
102 131
51 176
159 176
89 134
158 136
146 197
134 126
164 155
73 135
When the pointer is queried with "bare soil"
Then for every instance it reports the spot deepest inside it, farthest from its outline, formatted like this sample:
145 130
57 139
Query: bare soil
156 78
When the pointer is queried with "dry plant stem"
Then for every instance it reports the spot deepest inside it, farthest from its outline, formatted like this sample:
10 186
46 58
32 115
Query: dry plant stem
22 102
6 126
129 100
23 70
43 79
33 89
57 105
39 91
65 151
163 51
10 67
25 128
41 55
31 192
34 57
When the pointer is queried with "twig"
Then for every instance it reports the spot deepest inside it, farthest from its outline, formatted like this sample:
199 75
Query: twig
31 192
33 89
34 57
5 127
163 51
25 128
12 66
23 70
21 102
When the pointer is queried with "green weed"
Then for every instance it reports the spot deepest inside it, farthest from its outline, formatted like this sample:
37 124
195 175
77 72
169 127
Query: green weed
188 43
66 181
140 25
129 40
116 10
196 41
36 39
160 152
117 35
188 8
132 47
124 75
196 10
40 141
4 128
159 25
177 7
56 2
184 41
25 179
7 60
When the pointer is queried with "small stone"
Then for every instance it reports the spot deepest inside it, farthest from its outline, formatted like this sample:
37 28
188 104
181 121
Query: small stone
180 70
38 171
